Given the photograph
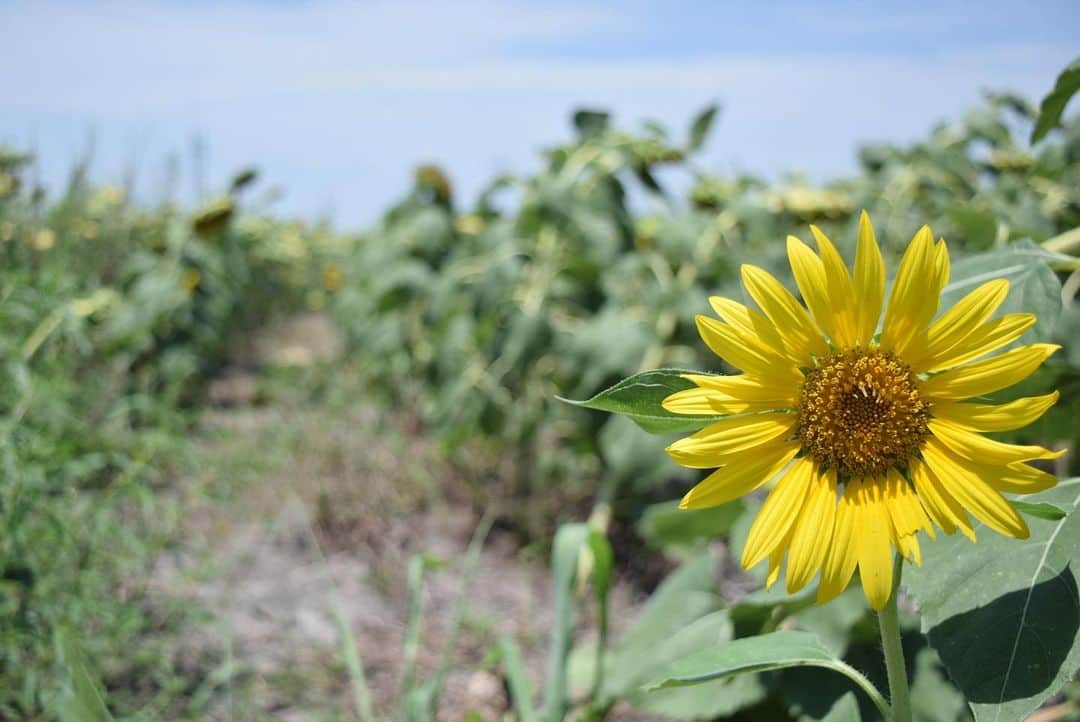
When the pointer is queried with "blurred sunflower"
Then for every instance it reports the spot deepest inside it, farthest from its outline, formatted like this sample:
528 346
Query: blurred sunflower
871 432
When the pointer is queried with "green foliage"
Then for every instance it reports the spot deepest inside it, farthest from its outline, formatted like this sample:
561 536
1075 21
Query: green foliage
1053 105
762 653
1003 614
1041 510
639 398
114 317
82 699
565 281
475 318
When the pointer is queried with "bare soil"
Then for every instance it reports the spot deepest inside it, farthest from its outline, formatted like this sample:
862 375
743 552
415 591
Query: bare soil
308 516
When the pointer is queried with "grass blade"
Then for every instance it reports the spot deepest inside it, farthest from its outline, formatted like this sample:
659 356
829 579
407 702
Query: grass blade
521 693
569 541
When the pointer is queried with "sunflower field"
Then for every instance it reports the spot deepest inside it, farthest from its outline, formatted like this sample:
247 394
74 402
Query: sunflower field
545 339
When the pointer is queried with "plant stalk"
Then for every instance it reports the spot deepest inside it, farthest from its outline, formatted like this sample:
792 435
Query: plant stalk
889 621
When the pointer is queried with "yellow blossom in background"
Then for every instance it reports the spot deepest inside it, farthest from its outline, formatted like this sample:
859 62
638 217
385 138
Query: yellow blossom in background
331 277
89 229
43 240
83 307
873 435
470 224
190 279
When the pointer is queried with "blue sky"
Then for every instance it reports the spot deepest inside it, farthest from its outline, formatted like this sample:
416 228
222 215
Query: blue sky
336 102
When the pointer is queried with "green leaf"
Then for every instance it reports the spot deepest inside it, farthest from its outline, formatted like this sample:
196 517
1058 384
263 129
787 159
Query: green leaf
762 653
753 654
1042 510
82 700
1053 105
685 596
846 709
516 679
933 697
569 541
717 698
1034 287
977 225
640 396
1003 614
699 129
665 524
603 560
591 123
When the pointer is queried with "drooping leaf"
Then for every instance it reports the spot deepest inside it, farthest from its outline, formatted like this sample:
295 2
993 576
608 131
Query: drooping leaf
1003 614
1053 105
699 129
640 398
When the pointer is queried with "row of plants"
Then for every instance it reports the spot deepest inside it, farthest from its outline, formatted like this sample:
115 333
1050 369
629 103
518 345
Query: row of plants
560 283
476 320
115 316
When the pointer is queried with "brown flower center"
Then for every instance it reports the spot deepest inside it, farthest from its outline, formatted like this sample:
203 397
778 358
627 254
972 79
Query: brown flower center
860 413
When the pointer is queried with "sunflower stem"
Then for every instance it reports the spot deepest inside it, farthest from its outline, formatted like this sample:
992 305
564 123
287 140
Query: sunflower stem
889 621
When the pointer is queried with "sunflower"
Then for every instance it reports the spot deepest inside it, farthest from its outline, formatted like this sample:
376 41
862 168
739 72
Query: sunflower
872 434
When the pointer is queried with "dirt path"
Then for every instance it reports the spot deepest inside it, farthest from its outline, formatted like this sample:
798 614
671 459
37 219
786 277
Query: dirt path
308 516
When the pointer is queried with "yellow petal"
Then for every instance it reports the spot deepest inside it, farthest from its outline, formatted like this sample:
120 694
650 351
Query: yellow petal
841 556
691 401
905 509
910 550
841 293
801 337
996 417
978 497
736 480
743 393
775 559
956 324
746 353
984 339
748 322
720 443
992 374
809 540
774 521
976 447
906 515
915 295
869 283
942 507
941 265
809 274
873 543
1015 478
